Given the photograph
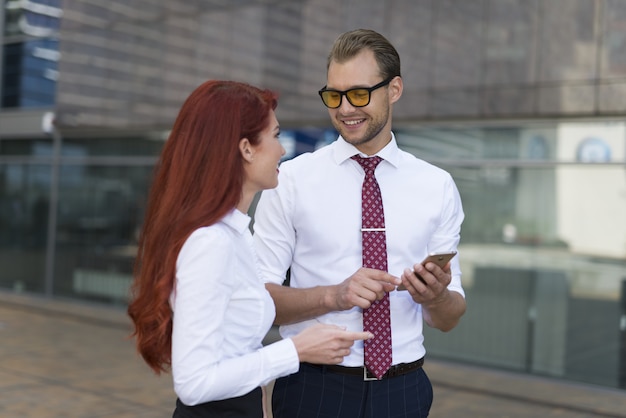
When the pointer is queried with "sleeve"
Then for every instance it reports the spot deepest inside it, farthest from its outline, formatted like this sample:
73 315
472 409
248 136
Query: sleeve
201 371
274 233
448 234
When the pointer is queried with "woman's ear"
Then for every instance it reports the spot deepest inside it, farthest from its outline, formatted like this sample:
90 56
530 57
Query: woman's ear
246 150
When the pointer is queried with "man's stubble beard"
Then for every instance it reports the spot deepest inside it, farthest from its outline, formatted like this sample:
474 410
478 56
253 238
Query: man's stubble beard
374 128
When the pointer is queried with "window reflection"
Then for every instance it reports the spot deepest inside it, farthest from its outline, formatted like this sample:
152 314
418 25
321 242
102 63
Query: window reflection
543 246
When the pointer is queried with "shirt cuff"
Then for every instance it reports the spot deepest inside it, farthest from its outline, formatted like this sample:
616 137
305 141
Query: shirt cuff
281 358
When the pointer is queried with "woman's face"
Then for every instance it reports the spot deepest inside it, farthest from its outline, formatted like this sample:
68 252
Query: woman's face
263 169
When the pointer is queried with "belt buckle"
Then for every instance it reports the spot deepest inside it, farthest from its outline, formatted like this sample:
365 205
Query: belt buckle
367 376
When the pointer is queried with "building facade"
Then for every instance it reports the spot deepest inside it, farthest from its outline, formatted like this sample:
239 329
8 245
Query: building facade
522 101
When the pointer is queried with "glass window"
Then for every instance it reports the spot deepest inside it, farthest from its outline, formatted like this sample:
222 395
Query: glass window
21 147
100 213
543 245
30 56
122 146
24 196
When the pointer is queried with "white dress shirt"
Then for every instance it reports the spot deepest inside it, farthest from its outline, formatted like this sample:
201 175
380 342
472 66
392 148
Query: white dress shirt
312 223
222 312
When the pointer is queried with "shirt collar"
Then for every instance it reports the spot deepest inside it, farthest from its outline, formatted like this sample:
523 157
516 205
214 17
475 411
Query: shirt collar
237 220
343 151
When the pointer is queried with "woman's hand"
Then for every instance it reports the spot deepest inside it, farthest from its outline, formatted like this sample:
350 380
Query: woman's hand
326 344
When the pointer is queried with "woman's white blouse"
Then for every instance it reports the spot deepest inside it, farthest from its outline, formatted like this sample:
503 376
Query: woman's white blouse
222 312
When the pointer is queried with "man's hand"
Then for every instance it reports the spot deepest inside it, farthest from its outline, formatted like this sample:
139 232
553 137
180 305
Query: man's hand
362 289
427 283
428 286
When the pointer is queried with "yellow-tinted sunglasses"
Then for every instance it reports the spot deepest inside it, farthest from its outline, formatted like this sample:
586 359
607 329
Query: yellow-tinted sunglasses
357 97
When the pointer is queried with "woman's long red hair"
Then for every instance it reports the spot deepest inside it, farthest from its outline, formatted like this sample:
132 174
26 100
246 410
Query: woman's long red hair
198 179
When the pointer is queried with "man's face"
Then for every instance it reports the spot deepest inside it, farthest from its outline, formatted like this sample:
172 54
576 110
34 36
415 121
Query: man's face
368 127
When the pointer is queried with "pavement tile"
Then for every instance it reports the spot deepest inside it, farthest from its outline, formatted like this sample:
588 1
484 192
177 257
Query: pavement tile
44 401
552 395
10 381
60 359
464 405
59 366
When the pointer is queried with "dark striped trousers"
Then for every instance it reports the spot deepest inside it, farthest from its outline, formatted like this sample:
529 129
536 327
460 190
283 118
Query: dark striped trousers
316 393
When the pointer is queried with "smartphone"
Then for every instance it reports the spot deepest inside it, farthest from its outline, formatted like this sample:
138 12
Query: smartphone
441 259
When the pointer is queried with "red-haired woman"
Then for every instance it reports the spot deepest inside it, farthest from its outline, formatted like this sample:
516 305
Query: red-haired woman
199 306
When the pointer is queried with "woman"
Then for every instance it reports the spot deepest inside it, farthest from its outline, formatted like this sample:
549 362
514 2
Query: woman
199 306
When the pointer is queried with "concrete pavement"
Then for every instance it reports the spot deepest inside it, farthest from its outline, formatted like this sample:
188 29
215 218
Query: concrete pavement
70 359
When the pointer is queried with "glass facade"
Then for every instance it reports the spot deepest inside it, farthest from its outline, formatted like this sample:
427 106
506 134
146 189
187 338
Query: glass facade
99 214
100 193
30 54
24 189
30 74
543 246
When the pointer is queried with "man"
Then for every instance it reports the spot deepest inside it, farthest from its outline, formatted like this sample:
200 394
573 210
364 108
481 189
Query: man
314 224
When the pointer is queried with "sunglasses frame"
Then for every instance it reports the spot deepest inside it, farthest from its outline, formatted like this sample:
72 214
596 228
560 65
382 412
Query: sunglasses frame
345 93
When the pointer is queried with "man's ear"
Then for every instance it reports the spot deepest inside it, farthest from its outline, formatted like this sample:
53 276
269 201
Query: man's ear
395 89
246 150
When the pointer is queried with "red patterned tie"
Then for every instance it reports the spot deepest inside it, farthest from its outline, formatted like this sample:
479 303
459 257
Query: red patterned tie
376 318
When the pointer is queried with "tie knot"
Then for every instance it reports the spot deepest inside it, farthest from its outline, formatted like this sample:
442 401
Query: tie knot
368 164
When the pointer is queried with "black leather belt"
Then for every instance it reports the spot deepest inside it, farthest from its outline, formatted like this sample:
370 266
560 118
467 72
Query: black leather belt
397 370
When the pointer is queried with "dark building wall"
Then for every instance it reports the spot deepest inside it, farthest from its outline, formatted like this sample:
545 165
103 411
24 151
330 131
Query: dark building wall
132 65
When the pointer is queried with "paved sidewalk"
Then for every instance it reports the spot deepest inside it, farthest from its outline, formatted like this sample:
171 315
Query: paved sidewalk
67 359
